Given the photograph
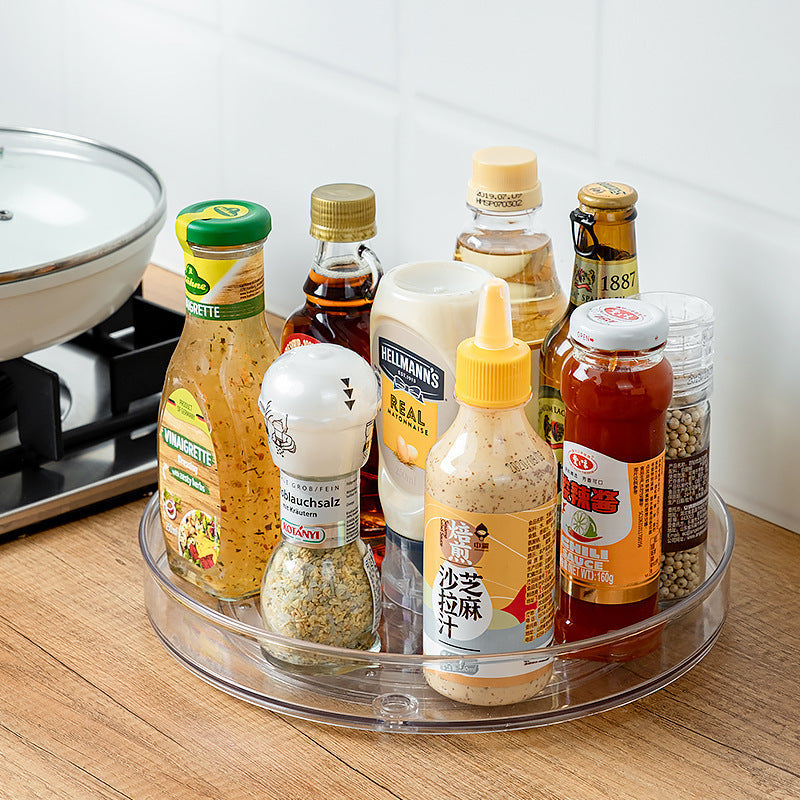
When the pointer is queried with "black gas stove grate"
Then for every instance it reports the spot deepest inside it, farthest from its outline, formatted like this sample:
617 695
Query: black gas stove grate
136 343
57 422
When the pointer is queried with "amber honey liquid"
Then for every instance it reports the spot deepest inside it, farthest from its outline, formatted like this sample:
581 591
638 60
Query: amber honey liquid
525 261
336 311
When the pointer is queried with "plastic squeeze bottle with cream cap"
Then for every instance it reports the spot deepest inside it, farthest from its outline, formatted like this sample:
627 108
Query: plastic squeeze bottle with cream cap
504 236
490 497
321 584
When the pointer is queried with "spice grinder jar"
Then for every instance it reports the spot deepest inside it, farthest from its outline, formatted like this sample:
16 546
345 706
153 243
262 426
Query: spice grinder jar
690 350
321 584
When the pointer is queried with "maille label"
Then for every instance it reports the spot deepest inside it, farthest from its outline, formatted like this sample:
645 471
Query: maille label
298 340
552 418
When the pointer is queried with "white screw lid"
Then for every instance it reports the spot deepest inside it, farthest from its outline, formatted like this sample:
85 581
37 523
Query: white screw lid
319 403
618 325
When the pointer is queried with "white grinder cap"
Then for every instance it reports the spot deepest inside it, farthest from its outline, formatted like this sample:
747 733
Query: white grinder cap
618 325
319 403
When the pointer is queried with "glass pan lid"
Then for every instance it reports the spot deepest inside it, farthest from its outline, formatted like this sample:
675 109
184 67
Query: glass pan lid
65 201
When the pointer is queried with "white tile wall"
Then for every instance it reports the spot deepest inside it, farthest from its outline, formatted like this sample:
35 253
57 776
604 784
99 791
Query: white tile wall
288 130
528 64
32 44
357 36
719 87
150 83
694 103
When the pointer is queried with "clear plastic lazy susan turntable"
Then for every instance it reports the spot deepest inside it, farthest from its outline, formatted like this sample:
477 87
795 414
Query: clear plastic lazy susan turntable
223 643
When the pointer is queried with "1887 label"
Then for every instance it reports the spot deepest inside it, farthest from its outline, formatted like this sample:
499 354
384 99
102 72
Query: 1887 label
593 280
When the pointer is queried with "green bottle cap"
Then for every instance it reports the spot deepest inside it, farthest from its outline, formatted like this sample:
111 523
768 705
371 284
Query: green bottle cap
223 223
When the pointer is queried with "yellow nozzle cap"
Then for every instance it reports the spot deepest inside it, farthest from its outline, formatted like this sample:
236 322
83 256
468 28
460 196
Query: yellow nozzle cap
493 369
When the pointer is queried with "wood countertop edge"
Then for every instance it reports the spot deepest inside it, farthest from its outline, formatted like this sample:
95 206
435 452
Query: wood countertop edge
93 706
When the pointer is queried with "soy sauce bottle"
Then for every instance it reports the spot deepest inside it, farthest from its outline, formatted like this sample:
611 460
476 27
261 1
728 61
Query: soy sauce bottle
604 236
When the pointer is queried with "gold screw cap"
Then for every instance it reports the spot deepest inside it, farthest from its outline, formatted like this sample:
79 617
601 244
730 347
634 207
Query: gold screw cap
607 194
504 179
343 212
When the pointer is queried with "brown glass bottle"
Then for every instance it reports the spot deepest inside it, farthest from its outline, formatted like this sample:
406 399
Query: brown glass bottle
605 266
339 291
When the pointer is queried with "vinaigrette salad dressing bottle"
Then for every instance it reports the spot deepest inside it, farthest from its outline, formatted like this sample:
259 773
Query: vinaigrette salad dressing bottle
504 236
218 487
490 495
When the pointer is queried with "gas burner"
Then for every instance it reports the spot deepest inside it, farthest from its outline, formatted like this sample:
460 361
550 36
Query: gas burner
80 418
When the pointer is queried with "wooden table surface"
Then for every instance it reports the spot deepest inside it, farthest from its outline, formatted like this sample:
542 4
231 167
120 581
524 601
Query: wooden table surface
92 706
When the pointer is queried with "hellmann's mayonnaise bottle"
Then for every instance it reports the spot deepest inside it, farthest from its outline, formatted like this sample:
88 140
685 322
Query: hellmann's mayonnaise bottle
421 312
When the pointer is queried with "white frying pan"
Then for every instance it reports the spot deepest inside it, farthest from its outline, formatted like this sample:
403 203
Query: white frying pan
78 222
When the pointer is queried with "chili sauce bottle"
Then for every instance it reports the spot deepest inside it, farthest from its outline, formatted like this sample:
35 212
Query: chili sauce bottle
617 387
489 540
605 266
218 487
504 236
339 290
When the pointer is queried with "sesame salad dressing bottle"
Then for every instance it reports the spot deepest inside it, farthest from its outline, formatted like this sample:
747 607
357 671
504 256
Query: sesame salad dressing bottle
617 387
504 236
339 291
490 495
218 488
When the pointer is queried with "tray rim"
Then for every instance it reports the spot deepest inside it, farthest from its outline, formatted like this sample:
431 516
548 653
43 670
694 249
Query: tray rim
235 626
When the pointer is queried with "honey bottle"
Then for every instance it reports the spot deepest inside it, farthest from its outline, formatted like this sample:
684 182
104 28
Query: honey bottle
339 290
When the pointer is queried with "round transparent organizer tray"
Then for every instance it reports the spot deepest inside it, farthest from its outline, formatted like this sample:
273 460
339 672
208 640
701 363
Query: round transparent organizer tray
223 643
